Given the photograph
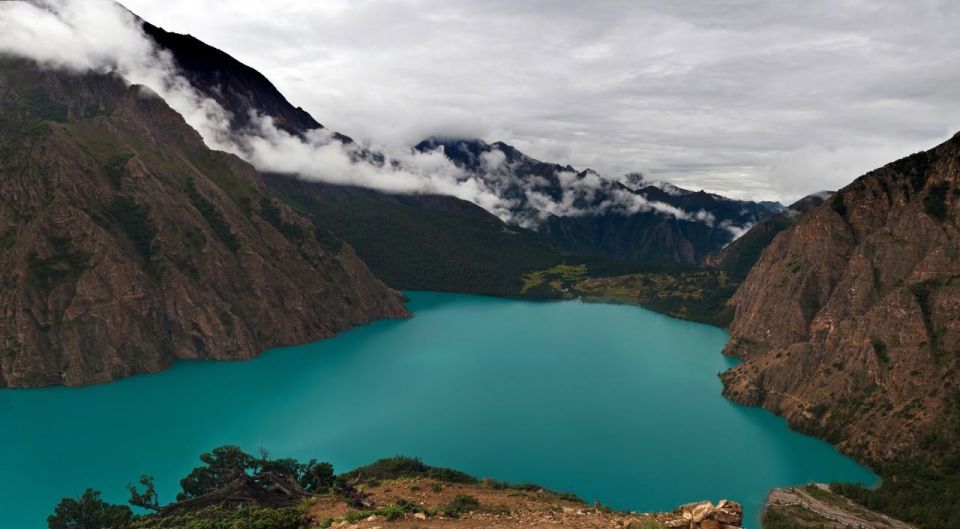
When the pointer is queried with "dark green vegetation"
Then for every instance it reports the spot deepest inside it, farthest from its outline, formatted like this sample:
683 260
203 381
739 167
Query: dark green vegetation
460 504
40 104
687 292
134 219
697 295
924 291
838 205
115 167
913 492
935 203
737 258
210 213
406 467
923 493
423 242
445 244
61 263
252 517
231 489
236 490
228 463
271 213
89 512
793 518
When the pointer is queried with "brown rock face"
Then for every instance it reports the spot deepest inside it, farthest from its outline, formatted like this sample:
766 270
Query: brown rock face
849 324
125 243
704 515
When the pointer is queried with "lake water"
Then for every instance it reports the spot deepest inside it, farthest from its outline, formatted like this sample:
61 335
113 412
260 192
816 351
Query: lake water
614 403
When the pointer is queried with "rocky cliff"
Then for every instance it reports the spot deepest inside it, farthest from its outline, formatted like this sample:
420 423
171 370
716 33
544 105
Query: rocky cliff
738 257
125 243
849 323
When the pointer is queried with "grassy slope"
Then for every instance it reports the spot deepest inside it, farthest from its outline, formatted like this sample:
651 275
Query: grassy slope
411 247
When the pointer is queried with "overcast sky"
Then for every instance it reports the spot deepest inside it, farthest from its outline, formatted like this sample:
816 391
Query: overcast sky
754 99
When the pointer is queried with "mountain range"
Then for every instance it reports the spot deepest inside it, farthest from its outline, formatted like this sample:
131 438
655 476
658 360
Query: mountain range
576 212
127 243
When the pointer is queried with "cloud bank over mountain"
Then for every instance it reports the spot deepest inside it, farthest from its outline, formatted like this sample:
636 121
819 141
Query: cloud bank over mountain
749 98
99 35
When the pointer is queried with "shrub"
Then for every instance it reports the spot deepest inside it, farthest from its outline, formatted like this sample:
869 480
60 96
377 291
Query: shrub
838 205
880 348
935 203
407 467
116 167
221 466
915 167
569 496
271 212
220 518
7 239
210 213
461 503
65 262
88 512
134 220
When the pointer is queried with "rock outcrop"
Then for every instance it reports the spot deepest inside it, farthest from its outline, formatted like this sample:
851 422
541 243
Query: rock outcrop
849 323
705 515
738 257
125 243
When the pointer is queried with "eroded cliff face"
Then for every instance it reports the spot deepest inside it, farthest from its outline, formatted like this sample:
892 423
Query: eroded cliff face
849 324
125 243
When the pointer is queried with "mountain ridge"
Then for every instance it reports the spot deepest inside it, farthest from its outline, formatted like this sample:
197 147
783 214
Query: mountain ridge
241 90
586 214
114 210
849 327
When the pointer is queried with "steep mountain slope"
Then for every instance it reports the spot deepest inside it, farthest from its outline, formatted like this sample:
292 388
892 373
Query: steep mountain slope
694 224
583 213
738 257
419 242
126 243
849 324
423 242
237 87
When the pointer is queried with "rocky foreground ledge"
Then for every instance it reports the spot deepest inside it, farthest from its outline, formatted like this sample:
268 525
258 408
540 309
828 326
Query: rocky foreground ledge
490 504
236 490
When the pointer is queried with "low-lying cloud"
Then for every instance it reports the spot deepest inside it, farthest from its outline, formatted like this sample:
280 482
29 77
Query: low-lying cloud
101 36
749 98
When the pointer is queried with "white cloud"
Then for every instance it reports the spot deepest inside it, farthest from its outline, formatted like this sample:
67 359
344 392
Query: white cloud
717 96
99 35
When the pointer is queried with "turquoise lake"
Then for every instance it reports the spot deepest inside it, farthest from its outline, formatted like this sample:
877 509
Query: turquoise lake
614 403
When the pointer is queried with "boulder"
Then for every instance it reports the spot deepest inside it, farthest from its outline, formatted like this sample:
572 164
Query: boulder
709 523
731 513
701 511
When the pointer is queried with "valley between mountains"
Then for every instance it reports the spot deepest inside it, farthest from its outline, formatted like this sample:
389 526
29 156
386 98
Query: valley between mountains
128 243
